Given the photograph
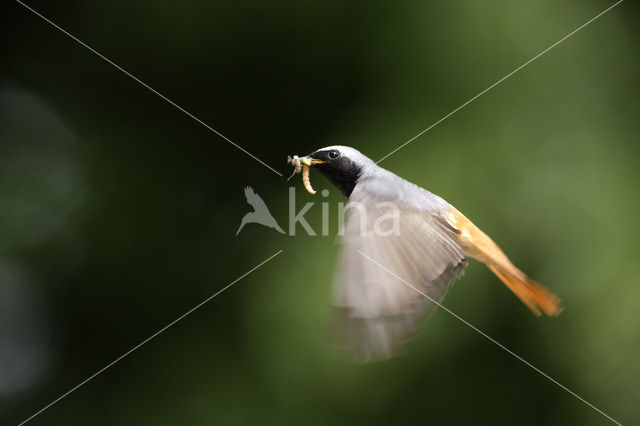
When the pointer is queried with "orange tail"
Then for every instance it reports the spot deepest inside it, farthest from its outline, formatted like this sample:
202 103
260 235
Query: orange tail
477 244
532 294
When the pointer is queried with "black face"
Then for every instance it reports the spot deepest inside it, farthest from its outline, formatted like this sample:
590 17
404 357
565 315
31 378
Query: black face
340 170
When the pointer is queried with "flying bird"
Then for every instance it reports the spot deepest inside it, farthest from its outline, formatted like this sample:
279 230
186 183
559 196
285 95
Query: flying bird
424 244
260 213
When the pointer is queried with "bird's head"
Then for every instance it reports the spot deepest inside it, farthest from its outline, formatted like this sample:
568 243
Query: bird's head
343 166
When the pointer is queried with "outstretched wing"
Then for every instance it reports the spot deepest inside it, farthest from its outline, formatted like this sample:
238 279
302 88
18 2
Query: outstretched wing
388 248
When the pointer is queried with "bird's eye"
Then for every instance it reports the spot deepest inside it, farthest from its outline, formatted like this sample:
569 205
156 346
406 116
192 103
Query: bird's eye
334 153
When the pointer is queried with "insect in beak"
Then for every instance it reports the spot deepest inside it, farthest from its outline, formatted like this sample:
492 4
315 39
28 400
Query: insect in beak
301 164
305 161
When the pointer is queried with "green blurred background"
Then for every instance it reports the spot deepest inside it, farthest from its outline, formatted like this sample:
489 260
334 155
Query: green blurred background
118 212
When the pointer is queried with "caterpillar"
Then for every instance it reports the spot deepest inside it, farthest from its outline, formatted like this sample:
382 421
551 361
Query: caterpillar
299 167
305 179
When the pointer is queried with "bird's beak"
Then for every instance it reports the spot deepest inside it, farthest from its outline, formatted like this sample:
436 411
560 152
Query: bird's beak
308 161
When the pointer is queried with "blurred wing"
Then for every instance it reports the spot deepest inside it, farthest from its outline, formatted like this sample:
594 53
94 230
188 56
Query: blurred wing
379 311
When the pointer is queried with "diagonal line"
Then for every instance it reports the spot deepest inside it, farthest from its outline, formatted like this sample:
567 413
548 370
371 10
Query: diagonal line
148 339
500 81
495 341
150 88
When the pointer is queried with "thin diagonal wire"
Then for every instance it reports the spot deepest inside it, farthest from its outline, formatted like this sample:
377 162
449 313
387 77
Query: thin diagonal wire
500 81
148 87
495 341
146 340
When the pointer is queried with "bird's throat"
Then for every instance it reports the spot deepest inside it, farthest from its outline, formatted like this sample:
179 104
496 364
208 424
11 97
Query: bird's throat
345 181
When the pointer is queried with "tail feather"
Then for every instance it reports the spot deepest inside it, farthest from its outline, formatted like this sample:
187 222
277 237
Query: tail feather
477 244
534 295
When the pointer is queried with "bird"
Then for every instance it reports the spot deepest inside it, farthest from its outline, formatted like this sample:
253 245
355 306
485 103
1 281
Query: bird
260 214
388 283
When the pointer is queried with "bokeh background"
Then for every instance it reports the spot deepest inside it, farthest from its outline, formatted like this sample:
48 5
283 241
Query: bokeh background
118 212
